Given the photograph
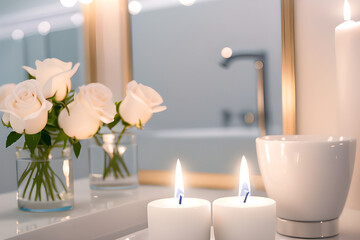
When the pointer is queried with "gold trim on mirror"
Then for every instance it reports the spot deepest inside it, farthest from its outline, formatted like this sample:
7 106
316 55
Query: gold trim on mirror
125 41
288 67
197 179
97 42
89 35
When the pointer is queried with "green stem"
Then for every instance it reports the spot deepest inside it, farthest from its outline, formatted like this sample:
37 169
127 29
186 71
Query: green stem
120 136
53 182
105 166
97 140
116 168
121 160
112 164
40 173
37 180
33 185
46 190
65 188
28 181
24 174
47 181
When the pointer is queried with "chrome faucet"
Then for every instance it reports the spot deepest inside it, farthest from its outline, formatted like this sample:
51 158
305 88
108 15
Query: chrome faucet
226 117
259 66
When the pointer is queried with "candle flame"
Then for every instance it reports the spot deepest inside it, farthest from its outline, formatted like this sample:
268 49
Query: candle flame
347 10
244 181
179 183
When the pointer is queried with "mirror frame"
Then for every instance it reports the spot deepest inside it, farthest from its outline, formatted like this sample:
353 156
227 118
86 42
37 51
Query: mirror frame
196 179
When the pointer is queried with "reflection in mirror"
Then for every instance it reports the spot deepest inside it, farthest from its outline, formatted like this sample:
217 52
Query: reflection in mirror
207 61
205 57
31 30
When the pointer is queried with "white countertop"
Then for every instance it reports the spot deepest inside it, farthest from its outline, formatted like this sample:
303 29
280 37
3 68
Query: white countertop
349 229
113 214
95 214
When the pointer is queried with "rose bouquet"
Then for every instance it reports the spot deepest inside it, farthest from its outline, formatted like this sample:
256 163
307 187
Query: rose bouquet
50 115
136 109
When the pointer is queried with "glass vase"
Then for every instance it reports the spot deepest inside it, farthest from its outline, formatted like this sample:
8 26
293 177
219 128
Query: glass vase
45 179
113 161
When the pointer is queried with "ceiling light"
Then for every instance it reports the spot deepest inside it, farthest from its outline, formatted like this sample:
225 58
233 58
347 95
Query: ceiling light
187 2
17 34
134 7
44 27
77 19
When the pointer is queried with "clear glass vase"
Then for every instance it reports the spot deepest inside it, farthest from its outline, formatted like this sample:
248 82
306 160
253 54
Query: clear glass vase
113 161
45 179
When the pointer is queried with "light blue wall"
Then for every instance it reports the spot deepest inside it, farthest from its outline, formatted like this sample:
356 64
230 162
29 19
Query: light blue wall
11 60
11 6
65 45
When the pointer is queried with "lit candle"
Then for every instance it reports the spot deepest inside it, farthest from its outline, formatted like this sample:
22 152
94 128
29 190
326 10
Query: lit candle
244 216
347 49
179 218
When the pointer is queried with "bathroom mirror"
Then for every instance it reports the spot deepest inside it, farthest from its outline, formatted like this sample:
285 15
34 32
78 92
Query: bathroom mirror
212 61
219 67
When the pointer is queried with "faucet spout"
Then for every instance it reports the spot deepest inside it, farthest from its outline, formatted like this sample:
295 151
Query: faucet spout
238 56
259 66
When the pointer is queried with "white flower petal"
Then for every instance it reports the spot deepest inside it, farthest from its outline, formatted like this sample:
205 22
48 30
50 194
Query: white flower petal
73 70
59 86
54 62
98 98
30 70
5 91
151 95
139 104
80 123
17 124
158 109
132 109
55 76
26 108
60 83
44 72
132 86
45 107
108 112
36 124
6 118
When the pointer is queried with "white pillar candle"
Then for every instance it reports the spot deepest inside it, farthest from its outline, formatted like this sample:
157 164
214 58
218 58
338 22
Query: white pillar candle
347 49
179 218
191 220
234 219
243 216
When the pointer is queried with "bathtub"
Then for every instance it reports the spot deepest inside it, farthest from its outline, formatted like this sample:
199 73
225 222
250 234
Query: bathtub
214 150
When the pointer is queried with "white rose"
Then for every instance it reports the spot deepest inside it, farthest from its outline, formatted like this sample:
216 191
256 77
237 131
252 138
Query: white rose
54 75
139 104
26 108
5 90
92 106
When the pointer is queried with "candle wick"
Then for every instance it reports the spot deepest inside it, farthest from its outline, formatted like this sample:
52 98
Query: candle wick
246 196
180 200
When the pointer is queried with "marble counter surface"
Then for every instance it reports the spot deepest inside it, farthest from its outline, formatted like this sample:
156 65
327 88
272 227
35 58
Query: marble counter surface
113 215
